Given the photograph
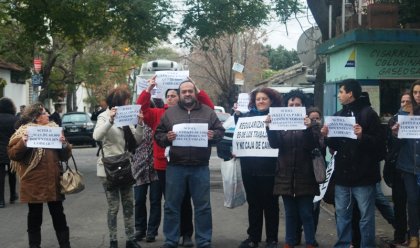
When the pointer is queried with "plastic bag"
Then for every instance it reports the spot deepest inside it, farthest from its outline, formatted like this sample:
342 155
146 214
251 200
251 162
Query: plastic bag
233 187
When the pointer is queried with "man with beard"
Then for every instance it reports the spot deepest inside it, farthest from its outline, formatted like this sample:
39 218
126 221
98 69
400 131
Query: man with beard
188 166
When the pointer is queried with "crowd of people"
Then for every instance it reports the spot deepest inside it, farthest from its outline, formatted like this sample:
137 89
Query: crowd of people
161 166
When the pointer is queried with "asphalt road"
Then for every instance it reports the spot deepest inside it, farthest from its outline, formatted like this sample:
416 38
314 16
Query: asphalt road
86 216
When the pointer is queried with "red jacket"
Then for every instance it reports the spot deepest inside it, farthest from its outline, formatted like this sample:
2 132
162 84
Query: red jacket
152 118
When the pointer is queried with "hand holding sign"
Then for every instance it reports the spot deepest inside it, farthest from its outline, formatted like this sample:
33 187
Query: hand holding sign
340 126
45 137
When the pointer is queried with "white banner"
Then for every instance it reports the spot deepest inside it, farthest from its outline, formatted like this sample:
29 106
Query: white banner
323 187
127 115
191 134
44 137
169 80
340 126
409 127
250 138
243 101
287 118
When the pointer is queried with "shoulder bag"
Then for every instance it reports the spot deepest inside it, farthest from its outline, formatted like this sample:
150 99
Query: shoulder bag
318 163
71 181
118 170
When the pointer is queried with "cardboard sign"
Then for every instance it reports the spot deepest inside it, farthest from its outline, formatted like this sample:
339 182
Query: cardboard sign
191 134
340 126
287 118
127 115
44 137
409 127
250 138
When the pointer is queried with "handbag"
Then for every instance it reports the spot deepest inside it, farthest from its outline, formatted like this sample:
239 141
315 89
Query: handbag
118 170
71 182
318 163
233 187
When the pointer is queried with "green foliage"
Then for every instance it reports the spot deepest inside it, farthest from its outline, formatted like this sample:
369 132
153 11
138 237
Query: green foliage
162 53
268 73
286 8
281 58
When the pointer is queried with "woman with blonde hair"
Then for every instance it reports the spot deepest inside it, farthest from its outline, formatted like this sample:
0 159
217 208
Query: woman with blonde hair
39 171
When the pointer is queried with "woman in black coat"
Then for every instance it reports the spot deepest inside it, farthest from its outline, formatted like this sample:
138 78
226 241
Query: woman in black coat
295 179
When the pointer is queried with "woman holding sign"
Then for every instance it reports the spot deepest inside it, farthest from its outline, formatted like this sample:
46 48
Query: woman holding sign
115 141
295 179
409 163
39 172
258 178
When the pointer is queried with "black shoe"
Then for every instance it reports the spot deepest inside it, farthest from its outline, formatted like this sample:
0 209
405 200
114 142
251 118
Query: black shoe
248 243
271 244
13 198
186 241
316 243
132 244
150 239
139 235
113 244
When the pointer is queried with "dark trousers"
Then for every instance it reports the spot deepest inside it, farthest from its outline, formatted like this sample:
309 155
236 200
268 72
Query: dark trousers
186 226
399 197
57 215
12 181
413 202
262 204
145 227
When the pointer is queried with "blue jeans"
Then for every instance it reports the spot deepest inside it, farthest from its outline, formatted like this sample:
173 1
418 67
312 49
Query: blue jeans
197 178
383 205
148 228
295 208
344 200
413 202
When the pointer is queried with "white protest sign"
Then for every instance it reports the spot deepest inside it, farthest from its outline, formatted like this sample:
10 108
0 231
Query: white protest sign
250 138
127 115
238 67
340 126
243 101
191 134
323 187
170 80
287 118
409 127
141 84
44 137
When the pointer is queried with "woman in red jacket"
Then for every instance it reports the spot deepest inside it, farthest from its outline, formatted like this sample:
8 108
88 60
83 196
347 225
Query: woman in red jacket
152 118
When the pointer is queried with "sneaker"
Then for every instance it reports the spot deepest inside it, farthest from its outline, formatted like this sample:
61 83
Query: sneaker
150 239
248 243
186 241
271 244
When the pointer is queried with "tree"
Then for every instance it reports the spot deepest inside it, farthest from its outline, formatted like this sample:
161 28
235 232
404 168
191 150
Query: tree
280 58
211 61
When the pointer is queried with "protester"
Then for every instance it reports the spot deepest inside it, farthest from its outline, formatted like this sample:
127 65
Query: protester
21 109
410 167
393 176
146 179
39 172
152 118
7 122
356 165
56 116
258 178
295 178
115 141
99 109
188 165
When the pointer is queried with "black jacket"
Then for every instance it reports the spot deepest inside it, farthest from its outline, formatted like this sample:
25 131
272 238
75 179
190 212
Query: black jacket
7 124
355 162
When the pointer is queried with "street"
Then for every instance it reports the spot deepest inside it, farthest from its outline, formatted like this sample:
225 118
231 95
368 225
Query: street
86 216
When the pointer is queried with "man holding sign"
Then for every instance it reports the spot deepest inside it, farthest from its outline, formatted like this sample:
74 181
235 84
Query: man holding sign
188 165
356 165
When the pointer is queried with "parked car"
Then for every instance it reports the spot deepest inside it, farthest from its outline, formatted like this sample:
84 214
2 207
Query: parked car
222 116
78 128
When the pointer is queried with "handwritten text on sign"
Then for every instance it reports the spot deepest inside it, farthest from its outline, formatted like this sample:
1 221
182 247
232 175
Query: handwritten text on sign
44 137
127 115
409 127
287 118
191 134
340 126
250 138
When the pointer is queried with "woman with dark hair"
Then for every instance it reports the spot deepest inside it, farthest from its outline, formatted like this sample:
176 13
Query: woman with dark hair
39 171
115 141
409 166
295 179
258 178
7 122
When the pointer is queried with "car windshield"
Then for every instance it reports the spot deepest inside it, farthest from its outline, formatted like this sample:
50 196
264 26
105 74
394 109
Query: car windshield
75 118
